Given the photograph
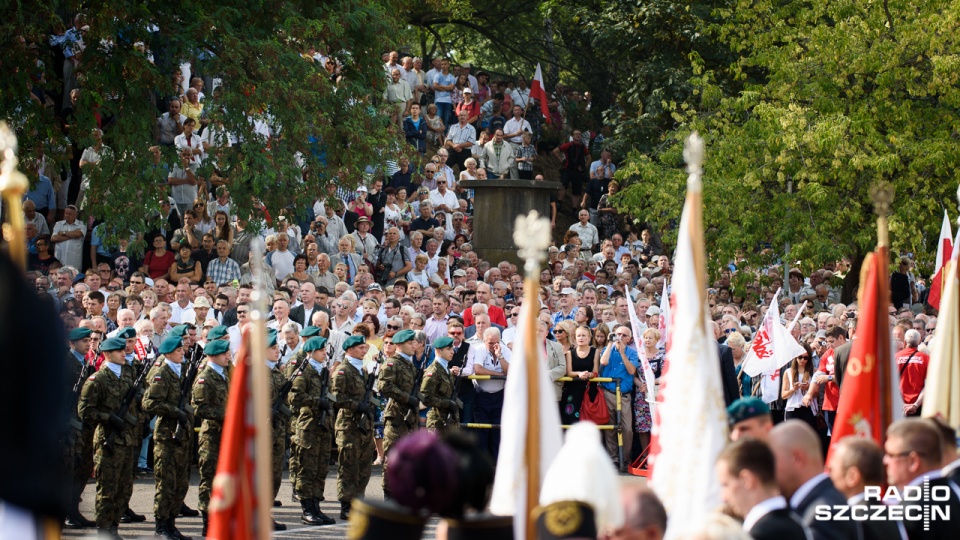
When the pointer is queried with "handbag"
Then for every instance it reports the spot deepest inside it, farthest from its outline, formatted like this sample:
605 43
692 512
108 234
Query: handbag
594 406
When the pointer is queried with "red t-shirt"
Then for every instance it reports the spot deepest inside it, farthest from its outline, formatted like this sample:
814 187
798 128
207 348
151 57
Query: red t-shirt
158 266
831 392
912 375
495 313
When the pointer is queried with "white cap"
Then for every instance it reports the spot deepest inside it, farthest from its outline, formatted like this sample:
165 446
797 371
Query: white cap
567 290
653 310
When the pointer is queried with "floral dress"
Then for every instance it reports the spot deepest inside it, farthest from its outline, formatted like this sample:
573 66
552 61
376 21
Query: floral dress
608 220
642 422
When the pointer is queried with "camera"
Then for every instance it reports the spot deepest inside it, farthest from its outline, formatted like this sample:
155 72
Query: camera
614 337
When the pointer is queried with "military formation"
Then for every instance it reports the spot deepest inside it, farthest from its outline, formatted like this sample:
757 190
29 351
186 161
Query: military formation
321 408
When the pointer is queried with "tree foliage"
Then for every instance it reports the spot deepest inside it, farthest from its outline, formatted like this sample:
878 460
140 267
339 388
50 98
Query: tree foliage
831 97
322 129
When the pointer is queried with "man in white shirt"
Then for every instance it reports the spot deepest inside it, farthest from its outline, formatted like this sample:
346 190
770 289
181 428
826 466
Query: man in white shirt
521 94
183 183
588 233
182 309
745 471
443 199
492 358
281 260
68 237
460 139
514 128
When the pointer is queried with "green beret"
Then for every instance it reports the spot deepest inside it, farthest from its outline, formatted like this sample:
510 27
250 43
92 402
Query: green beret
217 332
79 333
442 342
178 330
126 333
213 348
353 341
403 336
271 337
745 409
310 331
170 344
115 343
315 344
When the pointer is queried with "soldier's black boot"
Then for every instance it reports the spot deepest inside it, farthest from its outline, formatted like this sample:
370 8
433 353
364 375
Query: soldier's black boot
203 531
344 509
186 511
129 516
277 526
308 517
324 519
162 530
75 519
174 533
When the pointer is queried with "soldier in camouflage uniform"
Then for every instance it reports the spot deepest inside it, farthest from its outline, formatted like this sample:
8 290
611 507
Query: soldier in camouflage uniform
278 432
288 370
398 383
354 425
209 400
437 388
313 430
171 456
99 402
77 372
129 335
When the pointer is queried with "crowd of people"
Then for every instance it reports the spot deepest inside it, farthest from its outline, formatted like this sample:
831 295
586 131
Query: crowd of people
383 277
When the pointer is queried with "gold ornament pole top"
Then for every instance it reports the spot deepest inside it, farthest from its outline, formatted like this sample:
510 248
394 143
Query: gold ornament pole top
531 234
13 185
882 197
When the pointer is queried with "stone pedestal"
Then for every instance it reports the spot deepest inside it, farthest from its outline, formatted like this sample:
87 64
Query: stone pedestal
497 203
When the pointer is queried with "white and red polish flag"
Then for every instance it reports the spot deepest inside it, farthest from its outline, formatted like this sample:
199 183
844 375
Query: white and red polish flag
539 92
944 252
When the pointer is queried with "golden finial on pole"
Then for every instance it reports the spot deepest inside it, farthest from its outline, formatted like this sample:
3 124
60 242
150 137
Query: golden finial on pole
882 196
13 185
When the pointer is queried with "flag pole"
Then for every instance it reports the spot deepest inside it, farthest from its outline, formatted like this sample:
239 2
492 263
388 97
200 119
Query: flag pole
532 235
13 185
693 151
263 475
882 197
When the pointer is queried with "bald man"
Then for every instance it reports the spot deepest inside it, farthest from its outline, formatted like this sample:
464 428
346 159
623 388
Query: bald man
643 515
799 466
855 464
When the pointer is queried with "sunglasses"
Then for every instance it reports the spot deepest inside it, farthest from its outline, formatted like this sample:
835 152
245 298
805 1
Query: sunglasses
132 282
391 327
241 312
113 289
559 331
729 330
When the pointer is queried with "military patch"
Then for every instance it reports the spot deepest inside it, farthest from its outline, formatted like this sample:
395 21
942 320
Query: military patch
430 374
340 372
389 364
92 377
199 381
157 378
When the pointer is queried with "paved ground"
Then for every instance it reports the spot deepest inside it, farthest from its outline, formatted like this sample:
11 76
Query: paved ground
288 514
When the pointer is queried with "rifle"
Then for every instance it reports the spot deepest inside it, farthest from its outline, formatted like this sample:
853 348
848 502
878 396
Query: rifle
124 410
368 398
413 413
326 404
186 389
279 408
455 399
75 394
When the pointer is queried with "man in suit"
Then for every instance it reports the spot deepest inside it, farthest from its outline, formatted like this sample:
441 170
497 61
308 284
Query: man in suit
800 476
728 370
951 461
855 463
461 349
748 486
243 297
913 458
303 313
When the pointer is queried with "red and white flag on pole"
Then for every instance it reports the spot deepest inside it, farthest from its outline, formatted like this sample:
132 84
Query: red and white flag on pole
664 316
539 92
944 252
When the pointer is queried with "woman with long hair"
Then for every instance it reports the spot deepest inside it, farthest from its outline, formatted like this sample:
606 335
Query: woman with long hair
223 230
583 362
796 382
205 223
600 334
584 316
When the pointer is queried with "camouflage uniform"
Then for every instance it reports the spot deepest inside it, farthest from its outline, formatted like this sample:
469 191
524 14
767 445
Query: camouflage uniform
101 397
278 431
80 435
209 402
171 456
436 388
288 370
357 452
313 434
397 381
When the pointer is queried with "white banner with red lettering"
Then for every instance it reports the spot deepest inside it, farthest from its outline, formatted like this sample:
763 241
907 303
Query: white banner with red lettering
772 348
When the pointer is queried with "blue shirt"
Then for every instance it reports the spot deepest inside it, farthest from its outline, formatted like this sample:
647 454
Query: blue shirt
443 363
615 368
174 366
316 365
42 195
443 96
216 368
115 368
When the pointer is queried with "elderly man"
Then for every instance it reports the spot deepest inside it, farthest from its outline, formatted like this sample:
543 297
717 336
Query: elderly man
588 233
500 158
460 139
856 463
30 215
442 198
492 358
281 259
912 366
223 269
68 237
398 95
619 361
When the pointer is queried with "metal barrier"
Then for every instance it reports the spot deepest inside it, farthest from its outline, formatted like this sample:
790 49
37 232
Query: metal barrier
614 426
